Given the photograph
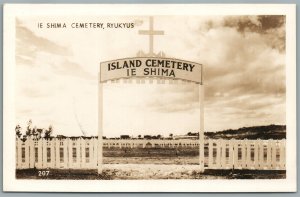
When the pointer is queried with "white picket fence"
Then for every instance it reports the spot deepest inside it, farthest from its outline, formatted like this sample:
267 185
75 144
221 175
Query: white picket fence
81 153
245 154
65 153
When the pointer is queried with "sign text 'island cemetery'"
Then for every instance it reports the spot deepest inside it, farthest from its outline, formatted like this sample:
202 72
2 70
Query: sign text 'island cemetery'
151 67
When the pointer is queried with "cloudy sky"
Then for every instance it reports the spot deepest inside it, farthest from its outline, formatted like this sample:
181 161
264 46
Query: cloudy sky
244 74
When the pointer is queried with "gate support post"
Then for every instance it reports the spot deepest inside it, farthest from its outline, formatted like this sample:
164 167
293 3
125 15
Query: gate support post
100 127
201 132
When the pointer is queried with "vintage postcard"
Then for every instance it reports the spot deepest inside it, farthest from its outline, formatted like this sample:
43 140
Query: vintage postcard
149 98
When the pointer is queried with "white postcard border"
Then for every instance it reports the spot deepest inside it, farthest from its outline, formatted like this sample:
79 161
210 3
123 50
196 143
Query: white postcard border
10 183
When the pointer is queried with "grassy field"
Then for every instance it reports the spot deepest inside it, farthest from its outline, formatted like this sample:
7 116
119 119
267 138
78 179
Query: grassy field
180 156
150 152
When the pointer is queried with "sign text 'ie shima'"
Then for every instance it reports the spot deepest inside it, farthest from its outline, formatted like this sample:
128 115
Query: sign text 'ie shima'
151 67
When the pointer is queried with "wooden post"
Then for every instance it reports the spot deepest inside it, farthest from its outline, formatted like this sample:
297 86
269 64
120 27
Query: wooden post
273 144
31 152
210 154
261 154
231 153
218 159
18 153
44 153
244 161
95 152
69 141
282 154
235 153
65 152
57 153
223 153
82 150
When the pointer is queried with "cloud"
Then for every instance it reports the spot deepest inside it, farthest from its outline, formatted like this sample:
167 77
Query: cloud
255 23
271 27
244 110
34 92
35 51
46 79
244 75
242 61
28 44
67 67
175 98
243 57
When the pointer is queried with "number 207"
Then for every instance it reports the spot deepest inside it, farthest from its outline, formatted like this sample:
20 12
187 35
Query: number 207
43 172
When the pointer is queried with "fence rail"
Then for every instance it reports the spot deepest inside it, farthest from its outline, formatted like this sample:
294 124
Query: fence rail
81 153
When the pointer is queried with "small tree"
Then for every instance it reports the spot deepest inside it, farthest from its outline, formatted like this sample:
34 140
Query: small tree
48 132
18 131
171 135
39 133
34 131
24 138
139 136
29 130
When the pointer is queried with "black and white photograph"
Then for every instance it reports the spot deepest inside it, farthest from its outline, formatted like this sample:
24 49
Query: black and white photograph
108 95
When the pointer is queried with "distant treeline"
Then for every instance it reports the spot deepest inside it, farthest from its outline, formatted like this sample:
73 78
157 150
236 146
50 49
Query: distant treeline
276 132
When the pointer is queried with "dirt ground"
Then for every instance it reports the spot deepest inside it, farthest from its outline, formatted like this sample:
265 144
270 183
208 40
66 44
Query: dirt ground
152 160
150 171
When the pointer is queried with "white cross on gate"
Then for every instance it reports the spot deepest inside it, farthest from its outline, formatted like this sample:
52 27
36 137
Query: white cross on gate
151 33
